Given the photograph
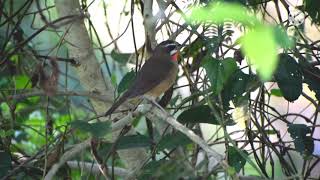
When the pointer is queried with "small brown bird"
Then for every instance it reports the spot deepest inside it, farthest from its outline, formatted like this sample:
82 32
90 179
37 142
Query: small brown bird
156 75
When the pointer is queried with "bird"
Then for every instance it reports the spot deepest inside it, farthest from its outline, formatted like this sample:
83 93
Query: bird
156 75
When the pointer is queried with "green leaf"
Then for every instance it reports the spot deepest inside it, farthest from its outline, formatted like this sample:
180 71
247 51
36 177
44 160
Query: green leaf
304 145
120 57
289 77
202 114
199 114
237 158
6 133
219 71
22 82
133 141
98 129
4 82
221 12
126 81
81 125
260 46
5 163
313 9
15 58
282 38
230 66
300 134
171 141
114 80
276 92
238 84
298 130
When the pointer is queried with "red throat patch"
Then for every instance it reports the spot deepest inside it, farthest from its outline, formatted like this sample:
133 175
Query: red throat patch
174 57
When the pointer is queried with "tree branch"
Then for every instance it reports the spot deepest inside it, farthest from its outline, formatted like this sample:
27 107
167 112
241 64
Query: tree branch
94 168
91 78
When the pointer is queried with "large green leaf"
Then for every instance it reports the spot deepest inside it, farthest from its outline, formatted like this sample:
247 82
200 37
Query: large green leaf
260 46
302 139
219 71
289 77
237 158
199 114
5 163
97 129
221 12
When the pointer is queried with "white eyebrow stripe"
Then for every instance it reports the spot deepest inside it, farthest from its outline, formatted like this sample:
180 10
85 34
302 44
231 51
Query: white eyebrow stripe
172 44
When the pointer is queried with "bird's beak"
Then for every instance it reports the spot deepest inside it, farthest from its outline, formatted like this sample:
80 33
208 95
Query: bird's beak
179 46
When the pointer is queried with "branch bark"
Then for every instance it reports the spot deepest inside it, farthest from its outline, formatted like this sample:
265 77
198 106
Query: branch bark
94 168
84 145
91 78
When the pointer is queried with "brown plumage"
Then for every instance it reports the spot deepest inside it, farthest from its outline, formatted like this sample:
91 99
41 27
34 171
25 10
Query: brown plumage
156 75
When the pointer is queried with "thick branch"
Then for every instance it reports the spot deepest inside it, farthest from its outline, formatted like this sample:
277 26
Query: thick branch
91 78
94 168
84 145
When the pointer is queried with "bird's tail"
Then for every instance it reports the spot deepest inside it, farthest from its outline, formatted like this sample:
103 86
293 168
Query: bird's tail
115 105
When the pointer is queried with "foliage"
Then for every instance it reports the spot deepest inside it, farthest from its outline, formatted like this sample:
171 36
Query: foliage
259 44
236 158
240 76
289 77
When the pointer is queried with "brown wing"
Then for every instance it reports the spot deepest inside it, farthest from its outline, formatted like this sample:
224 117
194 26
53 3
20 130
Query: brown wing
151 74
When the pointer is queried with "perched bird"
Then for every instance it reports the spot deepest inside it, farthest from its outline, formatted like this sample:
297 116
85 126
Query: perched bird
156 75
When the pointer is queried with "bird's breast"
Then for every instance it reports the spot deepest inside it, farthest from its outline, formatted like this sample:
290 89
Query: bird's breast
166 83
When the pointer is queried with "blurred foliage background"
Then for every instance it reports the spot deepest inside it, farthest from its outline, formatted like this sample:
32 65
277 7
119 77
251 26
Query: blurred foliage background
248 84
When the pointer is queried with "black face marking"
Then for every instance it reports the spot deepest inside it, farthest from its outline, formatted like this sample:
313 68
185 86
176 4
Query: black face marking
171 48
164 43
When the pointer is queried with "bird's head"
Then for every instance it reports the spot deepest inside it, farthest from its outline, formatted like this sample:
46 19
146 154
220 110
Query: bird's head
170 47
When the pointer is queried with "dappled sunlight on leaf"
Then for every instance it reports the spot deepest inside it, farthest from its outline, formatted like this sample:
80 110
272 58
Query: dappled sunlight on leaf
220 12
260 44
260 47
